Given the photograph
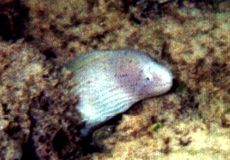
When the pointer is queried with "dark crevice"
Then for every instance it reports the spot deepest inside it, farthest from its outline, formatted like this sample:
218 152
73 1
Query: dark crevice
44 101
5 108
28 150
59 142
13 130
49 53
175 86
134 19
29 38
64 148
5 27
13 18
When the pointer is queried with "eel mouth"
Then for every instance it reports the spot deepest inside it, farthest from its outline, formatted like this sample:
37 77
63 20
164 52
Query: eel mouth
164 88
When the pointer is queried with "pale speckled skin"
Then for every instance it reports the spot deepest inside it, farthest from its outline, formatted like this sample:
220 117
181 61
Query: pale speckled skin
110 82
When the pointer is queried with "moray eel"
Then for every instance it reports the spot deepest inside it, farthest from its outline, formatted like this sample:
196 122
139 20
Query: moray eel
110 82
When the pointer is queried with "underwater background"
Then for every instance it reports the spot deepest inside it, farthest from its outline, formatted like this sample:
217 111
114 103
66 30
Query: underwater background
38 120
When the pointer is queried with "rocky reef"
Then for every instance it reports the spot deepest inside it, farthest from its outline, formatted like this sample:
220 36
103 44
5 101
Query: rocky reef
37 115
